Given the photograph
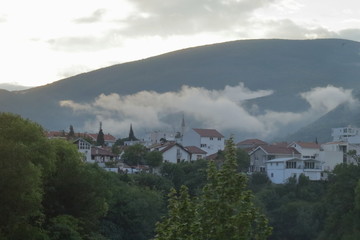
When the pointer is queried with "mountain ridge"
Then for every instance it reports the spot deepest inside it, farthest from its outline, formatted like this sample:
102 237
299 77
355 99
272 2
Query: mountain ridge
289 67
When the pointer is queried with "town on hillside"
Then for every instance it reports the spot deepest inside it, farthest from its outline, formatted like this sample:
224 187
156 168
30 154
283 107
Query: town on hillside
279 161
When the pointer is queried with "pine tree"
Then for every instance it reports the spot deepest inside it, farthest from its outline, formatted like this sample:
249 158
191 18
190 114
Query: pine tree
100 140
131 134
71 134
225 210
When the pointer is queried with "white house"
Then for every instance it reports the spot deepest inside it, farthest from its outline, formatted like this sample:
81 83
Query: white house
308 150
174 152
84 147
260 155
279 170
342 134
209 140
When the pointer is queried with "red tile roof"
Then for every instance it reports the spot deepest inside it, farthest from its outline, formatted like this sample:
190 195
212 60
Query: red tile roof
252 142
101 152
195 150
107 137
168 146
274 149
208 133
308 145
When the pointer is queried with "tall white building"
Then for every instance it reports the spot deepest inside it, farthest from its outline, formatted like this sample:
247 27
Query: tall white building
208 140
342 134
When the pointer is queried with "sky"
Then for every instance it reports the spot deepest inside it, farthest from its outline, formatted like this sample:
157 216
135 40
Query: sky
44 41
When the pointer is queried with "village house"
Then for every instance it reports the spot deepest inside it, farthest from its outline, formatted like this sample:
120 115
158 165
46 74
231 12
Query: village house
279 170
84 147
195 153
172 152
308 150
260 155
102 155
209 140
345 139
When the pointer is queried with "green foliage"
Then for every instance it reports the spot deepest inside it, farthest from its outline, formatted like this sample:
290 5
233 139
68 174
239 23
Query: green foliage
134 155
48 192
190 174
133 211
242 159
75 188
64 227
342 220
24 162
181 214
151 181
295 209
225 210
154 159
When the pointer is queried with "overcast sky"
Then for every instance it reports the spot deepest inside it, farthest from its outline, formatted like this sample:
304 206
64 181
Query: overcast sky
43 41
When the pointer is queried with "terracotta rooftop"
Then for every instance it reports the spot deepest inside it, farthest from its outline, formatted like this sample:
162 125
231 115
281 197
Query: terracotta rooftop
195 150
107 137
254 141
208 132
308 145
101 152
274 149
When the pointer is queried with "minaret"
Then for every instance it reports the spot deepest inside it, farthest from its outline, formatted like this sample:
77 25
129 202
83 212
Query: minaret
182 126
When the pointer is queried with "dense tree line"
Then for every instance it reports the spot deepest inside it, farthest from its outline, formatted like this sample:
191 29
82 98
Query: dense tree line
47 192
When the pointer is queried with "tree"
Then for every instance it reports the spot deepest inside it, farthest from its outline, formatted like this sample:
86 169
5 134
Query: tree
71 134
26 159
133 211
181 213
132 135
100 140
75 188
153 159
242 159
225 209
342 221
134 155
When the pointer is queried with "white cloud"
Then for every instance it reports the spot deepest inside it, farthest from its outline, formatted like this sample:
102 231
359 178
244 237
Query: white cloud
220 109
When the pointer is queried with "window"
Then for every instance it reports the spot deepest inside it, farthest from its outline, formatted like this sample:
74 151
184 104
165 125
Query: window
272 174
202 145
310 165
262 169
291 164
211 138
198 157
219 138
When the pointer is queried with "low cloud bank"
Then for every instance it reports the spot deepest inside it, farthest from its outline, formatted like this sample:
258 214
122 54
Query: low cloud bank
220 109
